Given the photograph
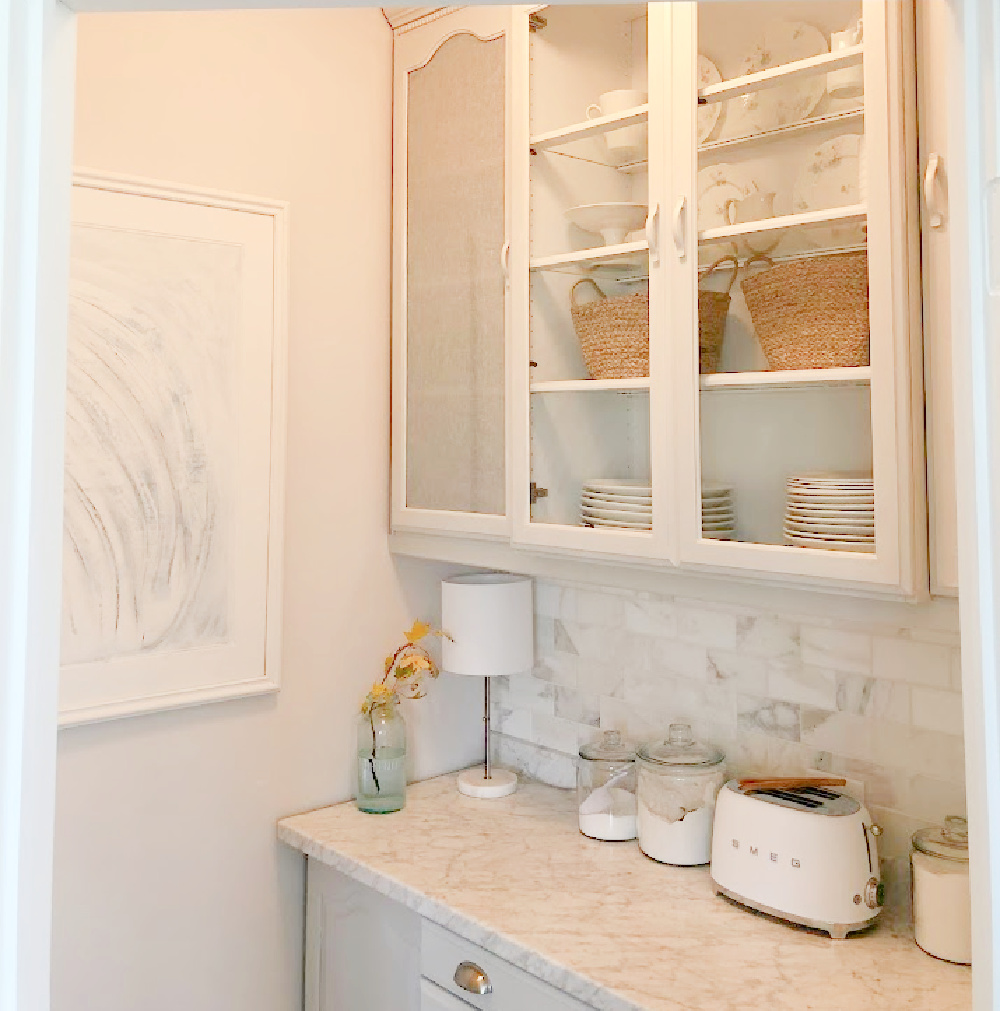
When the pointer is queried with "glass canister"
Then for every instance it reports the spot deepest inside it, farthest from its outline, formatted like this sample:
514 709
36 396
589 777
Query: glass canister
679 779
605 788
382 758
942 909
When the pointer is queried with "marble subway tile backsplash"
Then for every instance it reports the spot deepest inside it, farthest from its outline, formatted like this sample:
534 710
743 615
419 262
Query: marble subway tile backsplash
780 694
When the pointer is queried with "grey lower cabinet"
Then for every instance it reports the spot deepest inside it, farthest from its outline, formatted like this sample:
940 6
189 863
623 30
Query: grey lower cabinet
366 952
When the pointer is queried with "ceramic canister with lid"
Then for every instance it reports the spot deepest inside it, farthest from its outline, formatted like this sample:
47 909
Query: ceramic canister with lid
679 779
942 910
605 786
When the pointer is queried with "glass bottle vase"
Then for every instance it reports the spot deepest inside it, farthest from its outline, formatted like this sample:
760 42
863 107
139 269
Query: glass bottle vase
382 759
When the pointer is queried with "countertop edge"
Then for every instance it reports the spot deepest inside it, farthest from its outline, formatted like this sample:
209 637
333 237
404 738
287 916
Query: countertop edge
554 973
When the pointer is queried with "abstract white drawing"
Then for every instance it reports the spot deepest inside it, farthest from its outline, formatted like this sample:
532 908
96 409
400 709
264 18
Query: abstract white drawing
150 440
174 447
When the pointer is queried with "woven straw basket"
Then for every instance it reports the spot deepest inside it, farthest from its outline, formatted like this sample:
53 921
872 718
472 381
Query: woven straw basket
811 313
713 308
613 333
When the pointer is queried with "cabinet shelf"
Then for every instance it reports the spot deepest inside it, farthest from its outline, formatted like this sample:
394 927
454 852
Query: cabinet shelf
590 128
788 129
853 212
775 76
638 385
789 379
623 252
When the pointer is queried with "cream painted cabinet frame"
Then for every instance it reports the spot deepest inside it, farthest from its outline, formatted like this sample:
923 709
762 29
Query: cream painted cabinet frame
844 185
451 207
742 427
569 150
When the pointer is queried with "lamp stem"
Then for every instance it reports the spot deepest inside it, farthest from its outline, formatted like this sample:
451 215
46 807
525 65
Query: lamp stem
486 722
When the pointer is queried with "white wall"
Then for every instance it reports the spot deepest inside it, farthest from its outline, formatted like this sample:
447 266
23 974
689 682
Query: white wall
170 890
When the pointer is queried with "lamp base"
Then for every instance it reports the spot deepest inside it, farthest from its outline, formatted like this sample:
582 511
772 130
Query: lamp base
473 783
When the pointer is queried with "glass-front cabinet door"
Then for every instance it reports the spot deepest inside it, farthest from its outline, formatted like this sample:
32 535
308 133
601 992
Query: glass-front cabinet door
589 438
793 265
450 228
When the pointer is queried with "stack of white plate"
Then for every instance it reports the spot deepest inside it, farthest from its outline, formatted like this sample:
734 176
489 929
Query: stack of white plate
718 517
835 511
623 504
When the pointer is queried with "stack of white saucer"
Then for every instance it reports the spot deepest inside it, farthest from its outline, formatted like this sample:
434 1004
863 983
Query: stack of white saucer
718 516
621 504
834 511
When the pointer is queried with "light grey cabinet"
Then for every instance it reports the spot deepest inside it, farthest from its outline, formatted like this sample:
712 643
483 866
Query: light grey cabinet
366 952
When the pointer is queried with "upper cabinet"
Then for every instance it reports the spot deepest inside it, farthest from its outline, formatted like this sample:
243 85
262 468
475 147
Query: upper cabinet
713 347
450 226
796 182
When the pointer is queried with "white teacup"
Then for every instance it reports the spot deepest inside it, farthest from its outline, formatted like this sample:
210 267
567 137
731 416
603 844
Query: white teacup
754 207
751 208
629 143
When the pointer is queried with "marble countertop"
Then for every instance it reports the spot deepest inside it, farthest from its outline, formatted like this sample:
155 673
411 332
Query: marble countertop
603 922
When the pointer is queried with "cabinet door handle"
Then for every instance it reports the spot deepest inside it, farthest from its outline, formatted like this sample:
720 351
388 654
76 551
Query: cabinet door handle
653 235
470 977
932 191
680 220
505 263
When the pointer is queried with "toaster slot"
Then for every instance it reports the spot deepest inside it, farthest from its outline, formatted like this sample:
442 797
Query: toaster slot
818 791
793 797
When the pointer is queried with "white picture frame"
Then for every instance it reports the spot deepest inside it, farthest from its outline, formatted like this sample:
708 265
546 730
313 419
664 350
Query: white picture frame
172 577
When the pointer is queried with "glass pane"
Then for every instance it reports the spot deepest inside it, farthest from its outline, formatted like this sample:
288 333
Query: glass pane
454 283
786 443
589 309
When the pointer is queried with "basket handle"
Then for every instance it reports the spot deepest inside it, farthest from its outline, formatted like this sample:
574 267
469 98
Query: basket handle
583 280
759 258
718 263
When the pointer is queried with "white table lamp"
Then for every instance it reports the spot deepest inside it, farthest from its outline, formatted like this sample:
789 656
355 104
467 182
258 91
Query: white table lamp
490 619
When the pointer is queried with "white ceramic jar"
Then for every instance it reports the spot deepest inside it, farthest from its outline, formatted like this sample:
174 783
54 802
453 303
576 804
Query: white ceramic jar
679 779
942 909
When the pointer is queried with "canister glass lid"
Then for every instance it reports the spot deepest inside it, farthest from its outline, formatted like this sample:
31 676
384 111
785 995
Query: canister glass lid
609 747
681 749
950 841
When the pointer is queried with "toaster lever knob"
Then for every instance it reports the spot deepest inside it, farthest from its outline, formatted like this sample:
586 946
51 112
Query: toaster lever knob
874 893
876 830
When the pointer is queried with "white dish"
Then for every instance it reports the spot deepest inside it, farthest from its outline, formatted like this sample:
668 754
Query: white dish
594 496
708 115
781 42
830 176
867 547
858 502
720 535
616 524
856 531
709 490
612 220
834 476
832 515
597 507
616 514
623 486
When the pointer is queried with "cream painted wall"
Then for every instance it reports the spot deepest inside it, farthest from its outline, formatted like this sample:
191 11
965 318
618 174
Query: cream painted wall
170 890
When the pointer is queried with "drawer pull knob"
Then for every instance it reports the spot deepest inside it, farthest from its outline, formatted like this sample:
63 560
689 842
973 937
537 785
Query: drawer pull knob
470 977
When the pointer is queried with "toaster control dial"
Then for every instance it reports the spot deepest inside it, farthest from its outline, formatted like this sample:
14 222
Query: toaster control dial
874 893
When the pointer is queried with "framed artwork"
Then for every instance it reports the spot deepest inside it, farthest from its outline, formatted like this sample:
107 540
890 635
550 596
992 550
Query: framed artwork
175 432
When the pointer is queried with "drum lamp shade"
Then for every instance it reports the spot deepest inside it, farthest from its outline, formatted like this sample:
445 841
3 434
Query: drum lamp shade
490 619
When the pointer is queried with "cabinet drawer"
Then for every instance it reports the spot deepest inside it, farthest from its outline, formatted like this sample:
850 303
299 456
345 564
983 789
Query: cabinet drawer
513 989
433 998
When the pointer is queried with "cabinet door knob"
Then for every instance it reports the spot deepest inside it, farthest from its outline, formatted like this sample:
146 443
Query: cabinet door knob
932 192
680 230
470 977
653 235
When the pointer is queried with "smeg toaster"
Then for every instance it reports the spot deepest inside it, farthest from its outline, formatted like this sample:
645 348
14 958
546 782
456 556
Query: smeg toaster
806 854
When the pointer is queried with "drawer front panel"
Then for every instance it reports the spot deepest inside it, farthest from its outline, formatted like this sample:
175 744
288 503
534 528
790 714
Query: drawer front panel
433 998
513 989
